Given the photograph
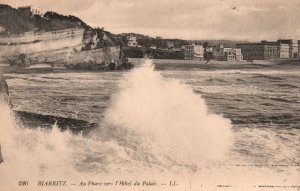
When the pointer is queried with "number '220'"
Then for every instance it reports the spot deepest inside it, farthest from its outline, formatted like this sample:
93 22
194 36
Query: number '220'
23 183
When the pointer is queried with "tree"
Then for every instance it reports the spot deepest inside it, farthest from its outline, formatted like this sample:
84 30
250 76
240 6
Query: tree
205 45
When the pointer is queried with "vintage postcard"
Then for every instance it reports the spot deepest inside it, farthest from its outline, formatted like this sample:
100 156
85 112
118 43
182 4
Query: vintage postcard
151 95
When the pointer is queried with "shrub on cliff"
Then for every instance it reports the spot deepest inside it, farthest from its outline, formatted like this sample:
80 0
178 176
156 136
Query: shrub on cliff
133 52
66 20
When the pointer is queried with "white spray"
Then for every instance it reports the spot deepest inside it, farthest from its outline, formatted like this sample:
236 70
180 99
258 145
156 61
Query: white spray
31 153
170 115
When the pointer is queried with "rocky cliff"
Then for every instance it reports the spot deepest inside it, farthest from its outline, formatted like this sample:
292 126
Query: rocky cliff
3 99
3 89
53 39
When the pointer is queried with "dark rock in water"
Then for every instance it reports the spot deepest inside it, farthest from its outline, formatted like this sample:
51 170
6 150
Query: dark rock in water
1 158
112 66
24 60
34 120
3 98
19 61
4 94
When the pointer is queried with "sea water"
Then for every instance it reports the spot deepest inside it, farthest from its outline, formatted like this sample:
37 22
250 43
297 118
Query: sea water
235 127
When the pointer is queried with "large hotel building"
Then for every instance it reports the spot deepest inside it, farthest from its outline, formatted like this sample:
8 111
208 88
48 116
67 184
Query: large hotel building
282 49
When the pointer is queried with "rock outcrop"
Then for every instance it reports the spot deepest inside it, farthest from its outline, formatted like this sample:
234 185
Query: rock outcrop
4 94
59 47
3 99
1 158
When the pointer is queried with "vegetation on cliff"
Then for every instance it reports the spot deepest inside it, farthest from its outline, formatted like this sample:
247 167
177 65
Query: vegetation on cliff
14 22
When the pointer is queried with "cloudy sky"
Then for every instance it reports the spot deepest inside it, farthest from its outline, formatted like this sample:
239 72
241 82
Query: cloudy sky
188 19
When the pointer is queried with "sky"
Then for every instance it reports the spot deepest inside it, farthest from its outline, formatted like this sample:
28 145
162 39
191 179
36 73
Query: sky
251 20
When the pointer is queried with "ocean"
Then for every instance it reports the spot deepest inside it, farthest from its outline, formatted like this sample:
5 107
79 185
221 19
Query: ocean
210 128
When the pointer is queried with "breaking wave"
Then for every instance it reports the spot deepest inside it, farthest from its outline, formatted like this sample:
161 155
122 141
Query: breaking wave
170 116
151 123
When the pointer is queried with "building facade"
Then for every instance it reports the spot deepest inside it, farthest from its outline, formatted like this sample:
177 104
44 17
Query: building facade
2 29
29 11
189 52
170 44
194 52
271 51
252 51
284 51
264 50
227 54
132 41
238 54
293 47
154 47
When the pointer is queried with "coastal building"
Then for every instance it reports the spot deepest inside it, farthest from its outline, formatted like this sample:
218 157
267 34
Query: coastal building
271 50
293 47
252 51
238 54
264 50
132 41
189 52
176 49
170 44
284 51
228 54
30 11
2 29
193 52
153 47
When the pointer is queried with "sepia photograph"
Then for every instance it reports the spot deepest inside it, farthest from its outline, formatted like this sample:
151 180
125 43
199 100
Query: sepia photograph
152 95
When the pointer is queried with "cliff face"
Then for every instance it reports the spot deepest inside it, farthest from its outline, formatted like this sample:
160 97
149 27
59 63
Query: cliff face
53 39
3 89
69 46
3 99
32 48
